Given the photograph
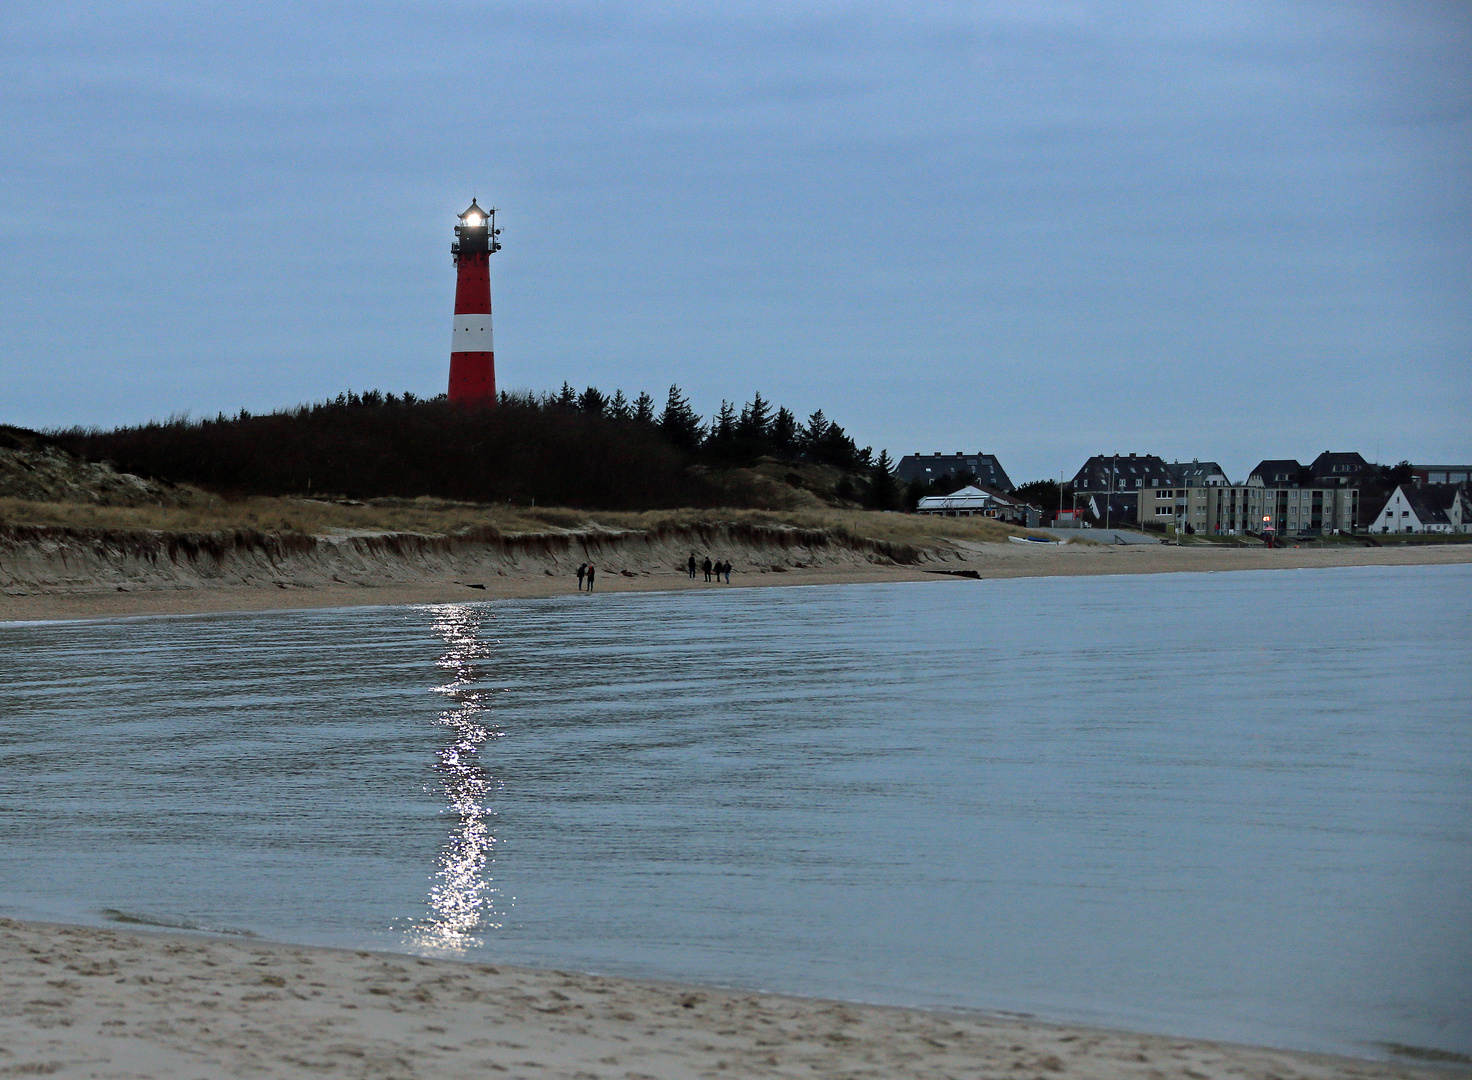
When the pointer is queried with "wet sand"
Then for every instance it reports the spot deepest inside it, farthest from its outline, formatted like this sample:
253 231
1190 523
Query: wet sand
87 1002
1008 560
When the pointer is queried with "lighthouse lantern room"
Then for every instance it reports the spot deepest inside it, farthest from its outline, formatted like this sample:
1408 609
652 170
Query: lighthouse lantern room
472 352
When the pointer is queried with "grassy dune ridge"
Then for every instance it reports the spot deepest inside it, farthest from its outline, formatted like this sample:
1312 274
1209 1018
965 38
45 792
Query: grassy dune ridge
435 517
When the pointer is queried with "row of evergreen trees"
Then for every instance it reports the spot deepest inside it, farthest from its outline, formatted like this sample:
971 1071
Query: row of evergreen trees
587 449
729 437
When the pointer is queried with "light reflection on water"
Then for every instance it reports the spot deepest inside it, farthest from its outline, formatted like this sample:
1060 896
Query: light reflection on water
465 898
1229 805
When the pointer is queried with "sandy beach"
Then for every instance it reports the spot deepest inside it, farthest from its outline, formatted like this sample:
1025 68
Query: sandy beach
84 1002
90 597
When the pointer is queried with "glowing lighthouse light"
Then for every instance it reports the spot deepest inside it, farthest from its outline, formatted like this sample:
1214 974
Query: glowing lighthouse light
472 352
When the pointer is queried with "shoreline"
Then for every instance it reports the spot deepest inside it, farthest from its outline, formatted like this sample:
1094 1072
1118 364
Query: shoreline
84 1001
81 599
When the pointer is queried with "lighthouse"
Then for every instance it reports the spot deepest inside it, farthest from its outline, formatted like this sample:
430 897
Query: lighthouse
472 354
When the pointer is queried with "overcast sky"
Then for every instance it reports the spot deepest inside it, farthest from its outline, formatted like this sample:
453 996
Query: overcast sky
1043 230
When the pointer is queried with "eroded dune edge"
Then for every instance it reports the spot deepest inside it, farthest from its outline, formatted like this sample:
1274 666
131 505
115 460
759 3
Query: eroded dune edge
91 1002
51 572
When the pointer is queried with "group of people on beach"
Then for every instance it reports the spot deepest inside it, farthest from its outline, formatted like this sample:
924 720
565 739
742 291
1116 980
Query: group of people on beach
718 568
587 572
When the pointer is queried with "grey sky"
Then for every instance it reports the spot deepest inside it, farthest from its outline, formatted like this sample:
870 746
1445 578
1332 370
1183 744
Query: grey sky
1225 230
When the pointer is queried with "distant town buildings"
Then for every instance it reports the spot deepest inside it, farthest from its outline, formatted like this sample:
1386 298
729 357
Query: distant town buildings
1338 492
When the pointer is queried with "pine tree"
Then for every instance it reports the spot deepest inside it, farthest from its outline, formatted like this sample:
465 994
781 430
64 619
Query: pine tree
724 425
592 401
756 419
644 409
720 439
784 433
884 491
618 406
679 422
810 439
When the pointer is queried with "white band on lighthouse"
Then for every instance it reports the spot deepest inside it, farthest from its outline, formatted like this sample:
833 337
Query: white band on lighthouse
472 334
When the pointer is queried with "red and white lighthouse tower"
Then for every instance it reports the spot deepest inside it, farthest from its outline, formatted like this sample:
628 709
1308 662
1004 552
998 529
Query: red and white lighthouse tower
472 353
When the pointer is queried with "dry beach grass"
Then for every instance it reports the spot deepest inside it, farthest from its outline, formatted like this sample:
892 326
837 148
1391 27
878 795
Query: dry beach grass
206 513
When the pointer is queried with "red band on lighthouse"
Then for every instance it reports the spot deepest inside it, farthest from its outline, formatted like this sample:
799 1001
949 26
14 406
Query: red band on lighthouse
472 353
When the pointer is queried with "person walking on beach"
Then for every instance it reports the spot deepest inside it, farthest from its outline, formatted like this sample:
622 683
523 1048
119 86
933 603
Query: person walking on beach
691 566
728 571
582 569
591 571
706 567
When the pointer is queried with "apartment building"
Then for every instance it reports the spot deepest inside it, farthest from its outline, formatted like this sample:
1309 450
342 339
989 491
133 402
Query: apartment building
1236 509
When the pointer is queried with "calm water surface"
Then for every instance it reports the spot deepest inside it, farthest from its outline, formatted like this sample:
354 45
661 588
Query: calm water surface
1233 805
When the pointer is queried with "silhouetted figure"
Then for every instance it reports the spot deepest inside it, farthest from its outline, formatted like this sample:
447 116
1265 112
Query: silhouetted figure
691 566
706 565
727 568
582 569
591 571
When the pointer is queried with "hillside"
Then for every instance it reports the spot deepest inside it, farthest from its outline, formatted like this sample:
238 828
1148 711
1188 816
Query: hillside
35 468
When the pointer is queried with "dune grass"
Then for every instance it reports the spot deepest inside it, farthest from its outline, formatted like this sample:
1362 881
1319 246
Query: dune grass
436 516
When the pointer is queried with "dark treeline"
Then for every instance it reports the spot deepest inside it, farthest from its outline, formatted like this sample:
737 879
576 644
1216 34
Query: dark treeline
730 437
582 449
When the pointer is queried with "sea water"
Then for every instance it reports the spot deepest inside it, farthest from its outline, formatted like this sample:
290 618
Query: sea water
1226 805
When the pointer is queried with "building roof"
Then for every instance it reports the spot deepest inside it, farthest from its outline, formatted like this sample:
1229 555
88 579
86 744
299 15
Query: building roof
1338 465
1122 473
474 207
1431 503
967 498
926 467
1195 473
1278 472
974 498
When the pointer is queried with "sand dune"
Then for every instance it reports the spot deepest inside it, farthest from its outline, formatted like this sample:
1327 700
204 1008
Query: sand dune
85 1002
66 573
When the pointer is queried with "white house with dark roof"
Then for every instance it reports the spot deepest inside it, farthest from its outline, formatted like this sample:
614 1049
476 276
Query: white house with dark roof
1435 508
